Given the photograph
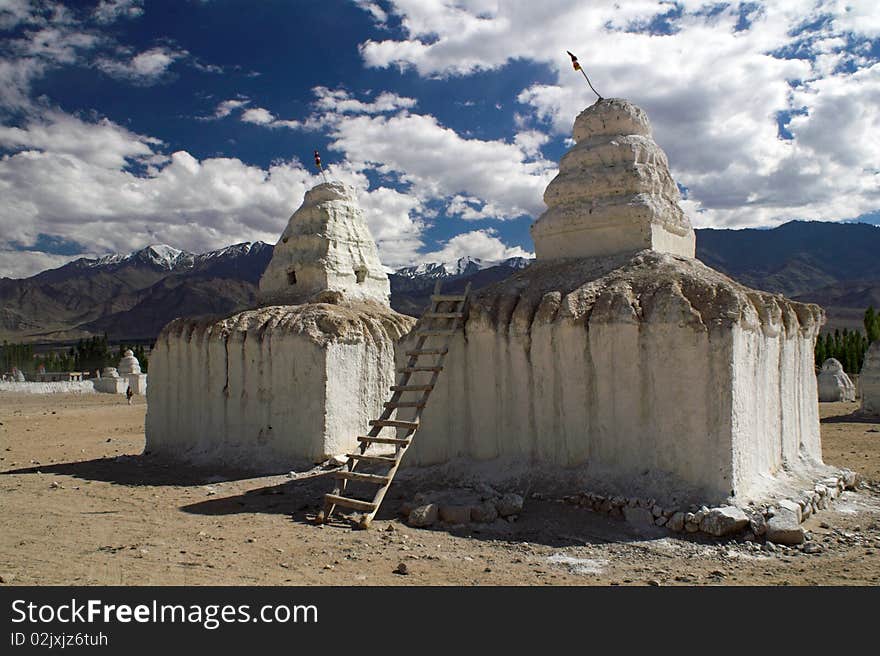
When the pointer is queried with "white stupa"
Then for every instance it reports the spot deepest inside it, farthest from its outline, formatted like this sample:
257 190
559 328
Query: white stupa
869 381
614 193
296 380
617 361
325 247
128 364
834 384
110 382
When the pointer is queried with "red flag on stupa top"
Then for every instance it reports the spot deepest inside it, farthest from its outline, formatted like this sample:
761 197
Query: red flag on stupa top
577 67
318 160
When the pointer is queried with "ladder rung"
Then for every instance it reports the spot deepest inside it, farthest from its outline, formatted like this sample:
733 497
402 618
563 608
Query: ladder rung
363 456
411 388
354 504
443 315
440 351
437 298
363 478
413 370
438 333
396 423
404 404
383 440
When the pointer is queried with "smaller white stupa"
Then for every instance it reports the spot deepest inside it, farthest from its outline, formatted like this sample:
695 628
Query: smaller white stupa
128 364
110 382
325 247
614 193
834 384
130 369
869 381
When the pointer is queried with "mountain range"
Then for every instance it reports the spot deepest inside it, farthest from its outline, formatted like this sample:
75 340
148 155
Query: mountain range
131 296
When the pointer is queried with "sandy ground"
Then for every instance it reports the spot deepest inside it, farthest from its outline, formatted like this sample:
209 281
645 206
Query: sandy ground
80 505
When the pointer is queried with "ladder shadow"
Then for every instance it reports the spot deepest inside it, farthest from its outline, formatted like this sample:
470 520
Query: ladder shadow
300 499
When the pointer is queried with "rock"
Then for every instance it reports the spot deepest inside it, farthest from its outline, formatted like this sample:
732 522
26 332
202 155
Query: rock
785 528
638 515
724 521
422 516
486 491
455 514
676 522
813 548
660 521
849 479
401 569
510 504
807 511
485 513
758 524
790 506
657 511
691 527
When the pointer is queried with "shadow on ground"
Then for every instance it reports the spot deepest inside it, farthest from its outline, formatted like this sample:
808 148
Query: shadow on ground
543 522
852 418
135 470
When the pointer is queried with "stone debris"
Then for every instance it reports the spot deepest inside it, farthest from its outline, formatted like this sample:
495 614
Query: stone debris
481 504
510 504
423 516
727 521
637 515
785 528
724 521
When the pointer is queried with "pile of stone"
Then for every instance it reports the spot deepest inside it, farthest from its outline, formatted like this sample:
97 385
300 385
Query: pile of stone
478 505
779 522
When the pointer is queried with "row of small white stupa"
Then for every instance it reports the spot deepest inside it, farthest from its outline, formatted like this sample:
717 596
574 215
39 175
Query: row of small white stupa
616 361
116 380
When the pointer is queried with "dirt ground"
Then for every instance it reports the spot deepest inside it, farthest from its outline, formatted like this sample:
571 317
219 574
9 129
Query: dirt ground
80 505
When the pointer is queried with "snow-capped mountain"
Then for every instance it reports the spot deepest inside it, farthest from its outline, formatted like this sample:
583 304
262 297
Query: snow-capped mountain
131 295
463 266
168 258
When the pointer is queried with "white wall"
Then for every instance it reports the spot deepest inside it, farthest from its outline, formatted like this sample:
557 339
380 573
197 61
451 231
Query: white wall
270 389
643 394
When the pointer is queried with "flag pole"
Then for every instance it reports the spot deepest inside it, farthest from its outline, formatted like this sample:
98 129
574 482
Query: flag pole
577 67
318 165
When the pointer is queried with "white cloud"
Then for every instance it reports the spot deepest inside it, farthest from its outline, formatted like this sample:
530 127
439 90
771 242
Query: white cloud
226 107
340 101
258 115
23 264
438 163
482 244
109 11
76 181
103 144
146 67
713 89
378 14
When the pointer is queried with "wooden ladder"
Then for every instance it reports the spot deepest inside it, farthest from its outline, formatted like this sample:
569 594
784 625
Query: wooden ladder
435 323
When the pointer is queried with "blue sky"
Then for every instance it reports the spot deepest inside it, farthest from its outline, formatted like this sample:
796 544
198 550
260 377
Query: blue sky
192 122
